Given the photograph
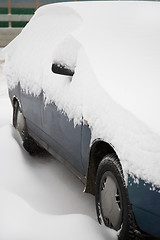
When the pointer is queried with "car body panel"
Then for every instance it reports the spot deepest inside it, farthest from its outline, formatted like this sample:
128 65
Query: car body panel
146 211
32 107
85 149
139 190
62 131
147 222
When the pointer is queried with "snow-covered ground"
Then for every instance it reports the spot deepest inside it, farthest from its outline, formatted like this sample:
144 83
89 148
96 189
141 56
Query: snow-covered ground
39 198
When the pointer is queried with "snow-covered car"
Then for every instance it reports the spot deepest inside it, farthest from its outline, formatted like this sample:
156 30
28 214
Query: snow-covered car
84 82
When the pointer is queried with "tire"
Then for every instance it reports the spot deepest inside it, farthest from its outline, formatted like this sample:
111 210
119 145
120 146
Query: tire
112 202
19 123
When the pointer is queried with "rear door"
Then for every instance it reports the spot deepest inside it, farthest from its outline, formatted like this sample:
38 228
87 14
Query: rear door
32 110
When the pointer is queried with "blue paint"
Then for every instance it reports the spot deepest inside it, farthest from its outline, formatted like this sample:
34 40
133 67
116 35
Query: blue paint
146 205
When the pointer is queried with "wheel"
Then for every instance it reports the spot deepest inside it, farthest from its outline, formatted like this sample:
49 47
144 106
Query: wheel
19 123
112 202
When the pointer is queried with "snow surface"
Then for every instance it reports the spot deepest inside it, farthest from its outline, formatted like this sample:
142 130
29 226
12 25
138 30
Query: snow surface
117 92
39 198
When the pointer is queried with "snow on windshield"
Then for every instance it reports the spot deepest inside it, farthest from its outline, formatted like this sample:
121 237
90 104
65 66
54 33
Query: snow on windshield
50 36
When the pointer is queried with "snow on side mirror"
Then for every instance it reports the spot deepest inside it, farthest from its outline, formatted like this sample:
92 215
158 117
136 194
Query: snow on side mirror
65 56
62 70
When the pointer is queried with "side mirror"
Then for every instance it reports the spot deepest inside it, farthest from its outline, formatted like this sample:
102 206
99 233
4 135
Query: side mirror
62 70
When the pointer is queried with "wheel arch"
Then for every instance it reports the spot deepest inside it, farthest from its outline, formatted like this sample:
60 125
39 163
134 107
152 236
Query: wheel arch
98 150
15 103
15 100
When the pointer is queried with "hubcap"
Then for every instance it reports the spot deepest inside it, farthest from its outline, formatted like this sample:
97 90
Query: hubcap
110 198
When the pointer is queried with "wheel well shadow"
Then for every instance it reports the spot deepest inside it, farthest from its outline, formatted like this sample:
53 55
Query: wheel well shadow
98 151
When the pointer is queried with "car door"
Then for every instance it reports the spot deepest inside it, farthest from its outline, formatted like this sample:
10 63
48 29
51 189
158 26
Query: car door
62 135
61 132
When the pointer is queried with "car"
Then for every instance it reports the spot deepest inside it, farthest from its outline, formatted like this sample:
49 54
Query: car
83 79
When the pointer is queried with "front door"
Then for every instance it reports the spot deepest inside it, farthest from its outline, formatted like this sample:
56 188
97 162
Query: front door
62 135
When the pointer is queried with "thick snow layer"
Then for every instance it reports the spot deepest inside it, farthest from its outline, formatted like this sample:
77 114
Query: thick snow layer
5 102
19 221
122 44
39 198
115 87
4 87
1 55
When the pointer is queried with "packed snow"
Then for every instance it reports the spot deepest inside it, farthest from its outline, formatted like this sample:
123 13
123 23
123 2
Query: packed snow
117 92
39 198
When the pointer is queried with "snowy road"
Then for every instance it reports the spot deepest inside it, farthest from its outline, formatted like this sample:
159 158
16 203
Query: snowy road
39 198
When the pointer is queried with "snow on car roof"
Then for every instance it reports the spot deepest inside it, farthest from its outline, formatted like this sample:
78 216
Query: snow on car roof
114 48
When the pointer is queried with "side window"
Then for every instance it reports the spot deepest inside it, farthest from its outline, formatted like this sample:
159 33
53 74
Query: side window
65 57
